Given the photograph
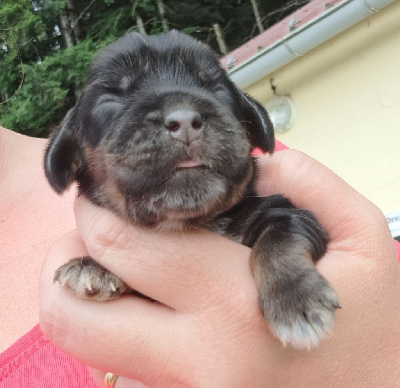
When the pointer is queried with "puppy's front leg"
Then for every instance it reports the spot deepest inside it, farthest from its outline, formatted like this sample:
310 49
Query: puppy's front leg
297 301
89 280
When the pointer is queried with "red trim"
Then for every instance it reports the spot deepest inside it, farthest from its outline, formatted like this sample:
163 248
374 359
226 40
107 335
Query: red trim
397 245
278 31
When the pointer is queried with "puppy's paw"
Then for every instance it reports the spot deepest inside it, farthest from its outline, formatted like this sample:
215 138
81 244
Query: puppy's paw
90 280
300 311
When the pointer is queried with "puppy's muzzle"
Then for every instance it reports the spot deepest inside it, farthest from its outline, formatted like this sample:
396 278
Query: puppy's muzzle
184 125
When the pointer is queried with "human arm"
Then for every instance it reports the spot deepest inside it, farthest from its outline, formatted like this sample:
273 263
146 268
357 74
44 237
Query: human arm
207 330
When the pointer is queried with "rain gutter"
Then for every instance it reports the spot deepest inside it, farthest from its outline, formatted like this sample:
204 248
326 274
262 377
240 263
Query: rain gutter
301 40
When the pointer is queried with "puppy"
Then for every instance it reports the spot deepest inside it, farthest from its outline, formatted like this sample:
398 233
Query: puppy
162 137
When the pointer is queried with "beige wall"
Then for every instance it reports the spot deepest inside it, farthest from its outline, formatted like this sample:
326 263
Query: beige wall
347 97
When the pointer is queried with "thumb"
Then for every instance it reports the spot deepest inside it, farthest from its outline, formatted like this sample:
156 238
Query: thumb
346 214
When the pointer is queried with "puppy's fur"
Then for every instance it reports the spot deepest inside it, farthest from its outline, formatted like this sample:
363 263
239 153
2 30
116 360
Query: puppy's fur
163 138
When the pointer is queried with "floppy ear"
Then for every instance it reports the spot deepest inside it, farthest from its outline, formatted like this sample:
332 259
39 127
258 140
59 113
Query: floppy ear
63 158
259 126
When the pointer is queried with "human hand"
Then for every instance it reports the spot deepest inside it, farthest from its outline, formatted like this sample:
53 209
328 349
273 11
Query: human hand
205 329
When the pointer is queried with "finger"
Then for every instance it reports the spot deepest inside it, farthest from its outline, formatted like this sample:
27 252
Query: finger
121 382
174 269
141 340
361 251
345 213
150 328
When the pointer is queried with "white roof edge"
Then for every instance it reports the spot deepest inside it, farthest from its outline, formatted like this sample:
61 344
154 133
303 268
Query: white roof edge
302 40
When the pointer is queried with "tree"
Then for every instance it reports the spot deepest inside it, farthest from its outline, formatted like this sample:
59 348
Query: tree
47 45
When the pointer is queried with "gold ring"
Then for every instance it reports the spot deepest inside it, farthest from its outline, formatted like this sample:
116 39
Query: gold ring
109 380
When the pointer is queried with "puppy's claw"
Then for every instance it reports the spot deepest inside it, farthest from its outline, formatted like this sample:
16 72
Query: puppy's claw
112 287
90 280
89 285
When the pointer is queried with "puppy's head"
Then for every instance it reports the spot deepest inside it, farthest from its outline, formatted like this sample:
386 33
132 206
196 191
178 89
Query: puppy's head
159 133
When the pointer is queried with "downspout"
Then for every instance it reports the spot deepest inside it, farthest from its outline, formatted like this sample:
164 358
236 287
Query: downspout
302 40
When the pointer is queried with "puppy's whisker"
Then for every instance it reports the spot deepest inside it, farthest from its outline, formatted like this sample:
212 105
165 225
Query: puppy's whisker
151 140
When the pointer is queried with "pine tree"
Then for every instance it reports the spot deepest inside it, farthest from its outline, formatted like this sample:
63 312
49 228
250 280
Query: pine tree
47 45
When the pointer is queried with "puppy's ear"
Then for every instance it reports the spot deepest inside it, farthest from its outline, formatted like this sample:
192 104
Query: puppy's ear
259 126
63 158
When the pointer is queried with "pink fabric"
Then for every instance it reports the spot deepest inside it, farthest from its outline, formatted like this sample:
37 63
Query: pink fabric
397 244
34 362
278 147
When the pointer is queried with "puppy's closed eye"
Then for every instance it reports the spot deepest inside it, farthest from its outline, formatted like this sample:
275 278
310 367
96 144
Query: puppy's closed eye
107 107
170 147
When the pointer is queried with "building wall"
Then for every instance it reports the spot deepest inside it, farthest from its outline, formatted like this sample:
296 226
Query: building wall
347 97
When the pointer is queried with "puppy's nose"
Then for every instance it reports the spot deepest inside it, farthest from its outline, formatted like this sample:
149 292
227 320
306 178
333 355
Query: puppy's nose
184 125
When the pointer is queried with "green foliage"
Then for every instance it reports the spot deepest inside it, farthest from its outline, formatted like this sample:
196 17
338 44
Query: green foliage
49 90
111 20
41 78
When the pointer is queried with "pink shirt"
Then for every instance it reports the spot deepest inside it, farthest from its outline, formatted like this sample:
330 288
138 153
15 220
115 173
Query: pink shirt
34 362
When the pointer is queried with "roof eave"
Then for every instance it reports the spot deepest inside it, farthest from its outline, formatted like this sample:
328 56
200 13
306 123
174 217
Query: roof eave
301 40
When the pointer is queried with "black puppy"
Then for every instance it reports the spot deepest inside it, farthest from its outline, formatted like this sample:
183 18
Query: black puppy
163 138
